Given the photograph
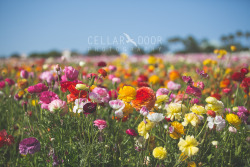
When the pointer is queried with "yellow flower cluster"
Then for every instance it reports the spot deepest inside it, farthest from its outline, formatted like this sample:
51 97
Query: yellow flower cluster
233 119
127 93
144 128
160 153
188 146
209 62
214 105
198 109
192 119
176 110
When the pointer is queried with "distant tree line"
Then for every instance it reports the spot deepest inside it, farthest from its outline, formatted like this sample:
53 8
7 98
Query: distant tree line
188 45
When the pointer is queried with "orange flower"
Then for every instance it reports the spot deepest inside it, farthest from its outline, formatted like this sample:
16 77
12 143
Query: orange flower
224 83
145 96
173 75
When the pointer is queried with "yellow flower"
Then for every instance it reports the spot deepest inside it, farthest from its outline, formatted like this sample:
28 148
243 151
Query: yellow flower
161 99
198 109
192 119
176 110
209 62
233 48
154 79
128 109
151 60
178 130
215 105
216 51
127 93
228 71
188 146
160 153
191 164
151 68
233 119
34 102
144 128
81 87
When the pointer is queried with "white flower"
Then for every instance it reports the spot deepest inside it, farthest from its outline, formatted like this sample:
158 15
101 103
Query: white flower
215 143
218 121
232 129
156 117
78 108
57 104
82 63
119 113
116 104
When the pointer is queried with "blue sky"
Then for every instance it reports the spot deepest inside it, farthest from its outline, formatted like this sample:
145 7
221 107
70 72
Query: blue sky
37 26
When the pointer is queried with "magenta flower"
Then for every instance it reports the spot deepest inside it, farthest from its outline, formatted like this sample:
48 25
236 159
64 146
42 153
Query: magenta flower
24 74
191 90
29 146
201 85
9 81
71 73
38 88
112 68
187 79
131 132
2 84
202 73
100 123
47 97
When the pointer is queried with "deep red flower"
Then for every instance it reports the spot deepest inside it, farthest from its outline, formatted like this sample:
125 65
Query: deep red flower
5 139
244 71
75 94
89 108
101 64
142 84
237 76
246 85
142 78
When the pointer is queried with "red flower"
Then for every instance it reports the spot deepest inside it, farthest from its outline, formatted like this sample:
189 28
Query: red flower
145 96
75 94
244 71
216 95
5 139
246 84
102 72
211 113
142 84
142 78
227 90
101 64
237 76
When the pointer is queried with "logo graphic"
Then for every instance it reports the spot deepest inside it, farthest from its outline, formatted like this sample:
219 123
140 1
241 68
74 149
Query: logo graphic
130 40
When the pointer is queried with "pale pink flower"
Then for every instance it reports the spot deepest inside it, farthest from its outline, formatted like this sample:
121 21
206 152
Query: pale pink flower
162 91
173 86
232 129
99 95
57 105
47 97
47 76
116 80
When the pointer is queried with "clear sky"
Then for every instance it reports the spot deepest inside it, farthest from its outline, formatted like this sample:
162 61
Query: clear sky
35 26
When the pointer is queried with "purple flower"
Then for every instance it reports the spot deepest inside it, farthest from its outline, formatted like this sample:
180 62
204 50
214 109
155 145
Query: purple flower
201 73
29 146
71 73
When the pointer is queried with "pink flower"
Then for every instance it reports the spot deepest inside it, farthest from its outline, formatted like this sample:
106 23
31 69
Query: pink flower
38 88
112 68
64 78
131 132
187 79
2 84
162 91
113 94
111 76
71 73
9 81
194 101
99 95
232 129
201 85
47 76
24 74
100 123
173 86
191 90
57 105
47 97
116 80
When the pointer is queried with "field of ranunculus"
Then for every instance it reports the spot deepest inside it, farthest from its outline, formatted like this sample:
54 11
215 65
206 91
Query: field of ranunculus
189 110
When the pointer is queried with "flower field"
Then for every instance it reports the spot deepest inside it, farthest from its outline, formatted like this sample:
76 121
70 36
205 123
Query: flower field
126 111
